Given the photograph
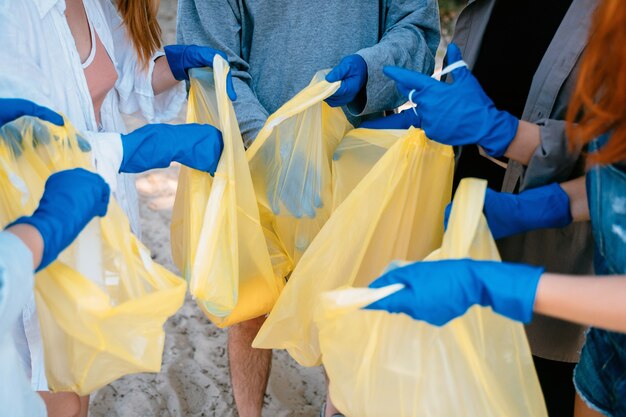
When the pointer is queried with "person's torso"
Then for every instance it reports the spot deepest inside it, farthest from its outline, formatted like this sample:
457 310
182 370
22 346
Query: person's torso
290 41
54 50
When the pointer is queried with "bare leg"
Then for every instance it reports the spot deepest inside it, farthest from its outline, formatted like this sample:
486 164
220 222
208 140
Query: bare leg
61 404
581 409
249 367
84 406
331 410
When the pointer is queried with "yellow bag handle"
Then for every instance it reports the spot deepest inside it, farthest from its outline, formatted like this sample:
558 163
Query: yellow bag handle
315 93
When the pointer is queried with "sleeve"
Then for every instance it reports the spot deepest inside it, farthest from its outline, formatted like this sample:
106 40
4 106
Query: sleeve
410 40
134 85
219 25
552 161
16 279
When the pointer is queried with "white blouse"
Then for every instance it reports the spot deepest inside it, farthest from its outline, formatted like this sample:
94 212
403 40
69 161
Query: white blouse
40 63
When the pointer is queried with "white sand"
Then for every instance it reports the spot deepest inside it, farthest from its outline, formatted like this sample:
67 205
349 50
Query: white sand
194 380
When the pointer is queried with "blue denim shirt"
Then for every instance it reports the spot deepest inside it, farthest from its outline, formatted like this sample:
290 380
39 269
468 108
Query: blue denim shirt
600 376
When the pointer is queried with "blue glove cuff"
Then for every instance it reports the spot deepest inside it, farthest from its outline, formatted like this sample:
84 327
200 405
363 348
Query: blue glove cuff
48 255
175 55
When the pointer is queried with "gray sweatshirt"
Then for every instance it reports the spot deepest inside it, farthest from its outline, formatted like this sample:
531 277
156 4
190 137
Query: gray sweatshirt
275 47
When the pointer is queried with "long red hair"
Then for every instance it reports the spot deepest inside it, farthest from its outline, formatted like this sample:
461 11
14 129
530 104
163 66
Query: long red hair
598 105
140 19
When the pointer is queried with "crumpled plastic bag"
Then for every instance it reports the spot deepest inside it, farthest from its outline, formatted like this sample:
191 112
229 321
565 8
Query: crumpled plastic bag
290 162
235 267
395 212
103 303
382 364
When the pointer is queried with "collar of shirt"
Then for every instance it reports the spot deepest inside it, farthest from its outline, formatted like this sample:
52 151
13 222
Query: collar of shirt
44 6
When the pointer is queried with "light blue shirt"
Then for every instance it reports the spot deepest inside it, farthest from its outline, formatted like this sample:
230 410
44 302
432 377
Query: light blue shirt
16 287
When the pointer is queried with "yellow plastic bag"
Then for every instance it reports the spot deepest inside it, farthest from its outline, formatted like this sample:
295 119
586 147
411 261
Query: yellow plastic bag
226 256
290 162
94 329
381 364
395 212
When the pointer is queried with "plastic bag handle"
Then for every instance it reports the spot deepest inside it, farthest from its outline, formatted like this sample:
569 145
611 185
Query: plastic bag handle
465 217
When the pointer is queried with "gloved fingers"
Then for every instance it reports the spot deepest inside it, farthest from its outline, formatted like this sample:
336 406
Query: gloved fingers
230 88
454 55
393 303
446 216
402 120
386 279
407 80
338 98
12 136
48 115
338 73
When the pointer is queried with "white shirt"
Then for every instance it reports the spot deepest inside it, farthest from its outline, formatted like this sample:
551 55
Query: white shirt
16 288
40 63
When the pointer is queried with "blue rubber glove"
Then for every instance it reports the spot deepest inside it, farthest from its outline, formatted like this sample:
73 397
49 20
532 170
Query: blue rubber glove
70 200
158 145
352 72
181 58
459 113
508 214
403 120
14 108
440 291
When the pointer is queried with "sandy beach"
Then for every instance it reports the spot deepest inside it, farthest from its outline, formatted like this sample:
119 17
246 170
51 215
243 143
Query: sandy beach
194 379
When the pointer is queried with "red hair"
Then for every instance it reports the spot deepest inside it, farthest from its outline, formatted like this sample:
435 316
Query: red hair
598 104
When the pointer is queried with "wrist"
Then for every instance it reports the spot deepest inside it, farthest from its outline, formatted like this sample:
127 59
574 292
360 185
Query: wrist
525 142
32 239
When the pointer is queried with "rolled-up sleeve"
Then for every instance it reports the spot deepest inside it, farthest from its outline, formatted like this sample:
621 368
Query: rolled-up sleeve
410 40
553 160
134 85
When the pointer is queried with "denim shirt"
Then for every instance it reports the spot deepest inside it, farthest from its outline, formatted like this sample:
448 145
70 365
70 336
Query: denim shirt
600 376
606 190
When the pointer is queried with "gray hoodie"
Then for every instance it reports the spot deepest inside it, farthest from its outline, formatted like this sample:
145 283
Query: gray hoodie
275 47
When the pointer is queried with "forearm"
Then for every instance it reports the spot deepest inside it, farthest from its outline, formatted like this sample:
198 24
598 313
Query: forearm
31 238
524 143
593 301
576 190
162 78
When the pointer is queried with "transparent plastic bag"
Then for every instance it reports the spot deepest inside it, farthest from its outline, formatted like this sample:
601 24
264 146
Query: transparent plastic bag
395 212
231 272
382 364
290 162
103 303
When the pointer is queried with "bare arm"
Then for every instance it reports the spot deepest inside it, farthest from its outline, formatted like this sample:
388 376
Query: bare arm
524 143
162 77
593 301
31 238
576 190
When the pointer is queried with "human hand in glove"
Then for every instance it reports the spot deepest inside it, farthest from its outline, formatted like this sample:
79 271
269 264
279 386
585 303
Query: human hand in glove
537 208
157 145
352 72
459 113
70 200
181 58
440 291
403 120
14 108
